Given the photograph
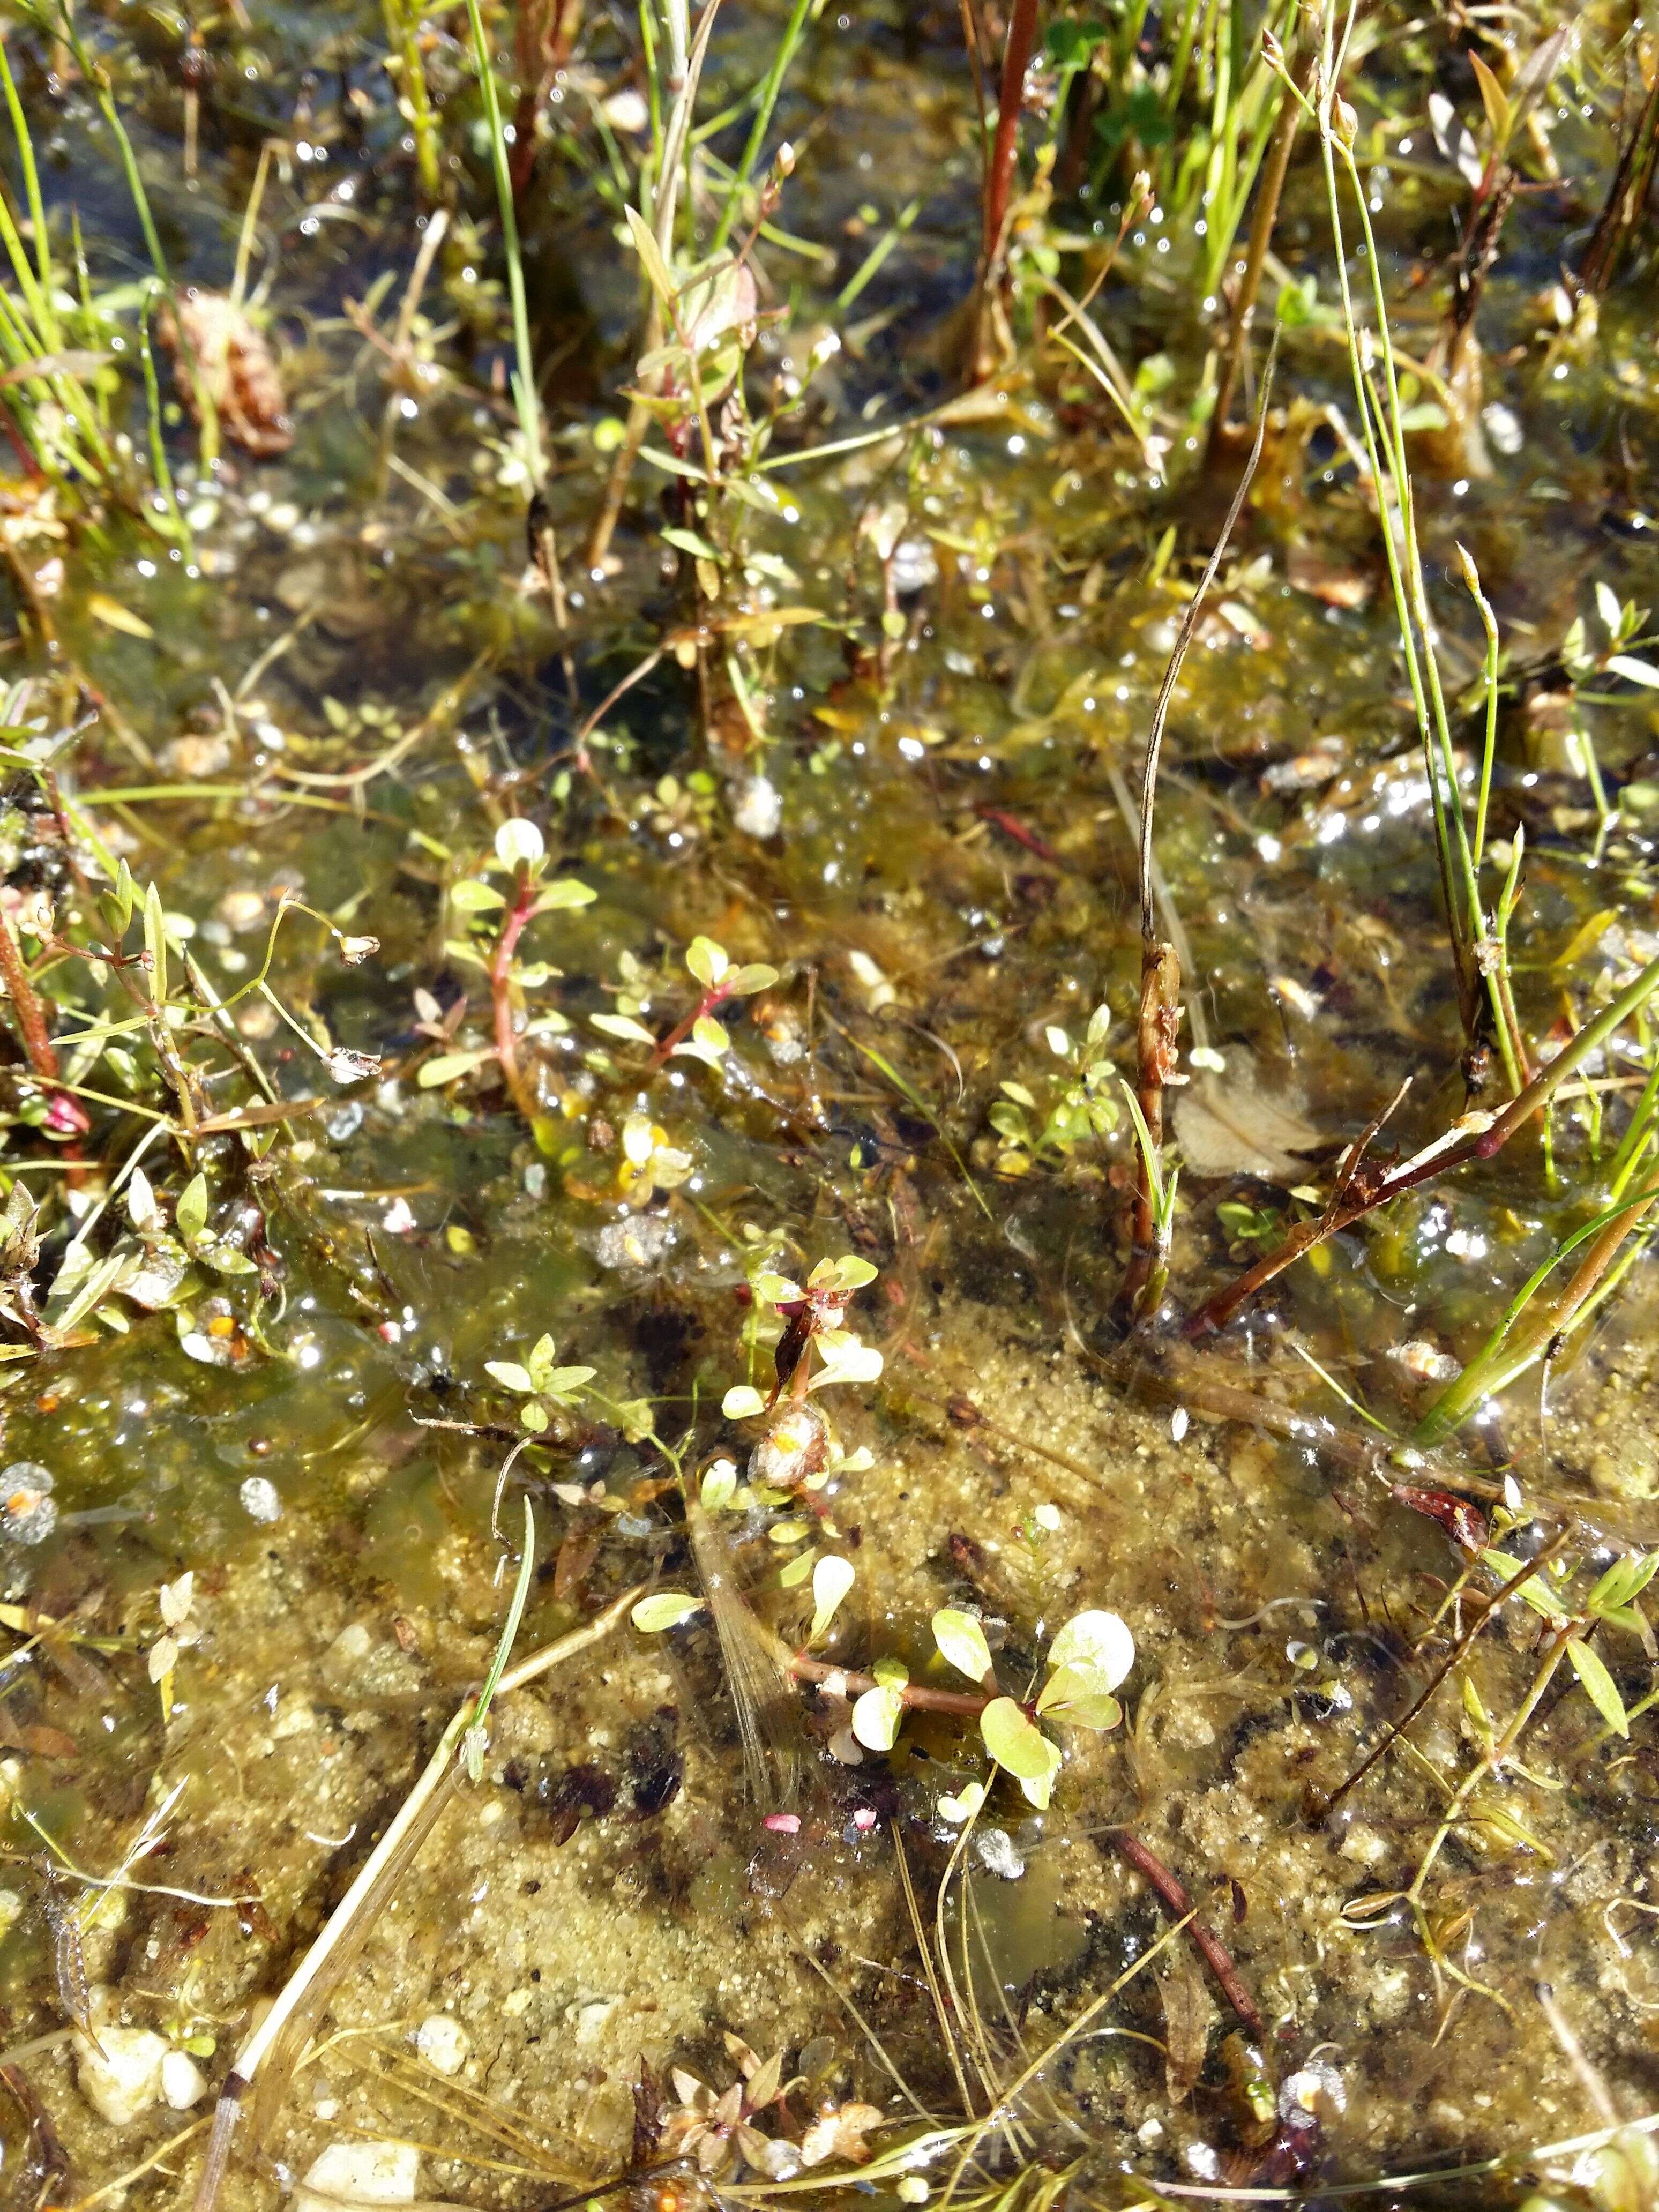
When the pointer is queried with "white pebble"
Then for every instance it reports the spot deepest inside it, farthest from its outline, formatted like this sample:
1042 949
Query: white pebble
183 2082
260 1499
442 2042
359 2173
757 809
120 2075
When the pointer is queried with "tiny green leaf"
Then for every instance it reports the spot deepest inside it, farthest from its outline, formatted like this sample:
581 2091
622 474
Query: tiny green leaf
189 1215
743 982
519 844
155 943
708 961
664 1609
1533 1592
1599 1685
1079 1695
876 1718
741 1401
645 244
719 1486
510 1375
444 1066
1014 1741
832 1578
962 1643
564 892
623 1026
473 896
1098 1642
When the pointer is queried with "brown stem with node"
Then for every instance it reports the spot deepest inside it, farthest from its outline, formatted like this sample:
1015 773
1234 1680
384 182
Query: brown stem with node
1171 1892
999 188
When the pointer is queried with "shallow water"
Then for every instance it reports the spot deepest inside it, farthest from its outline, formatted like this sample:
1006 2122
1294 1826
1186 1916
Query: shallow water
950 875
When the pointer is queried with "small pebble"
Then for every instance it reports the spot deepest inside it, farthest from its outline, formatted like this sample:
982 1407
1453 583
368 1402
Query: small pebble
442 2042
994 1848
260 1498
120 2075
183 2082
28 1513
757 807
359 2173
638 1242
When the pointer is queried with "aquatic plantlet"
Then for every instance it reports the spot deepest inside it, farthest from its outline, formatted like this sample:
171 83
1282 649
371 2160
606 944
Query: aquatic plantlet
541 1382
493 922
698 1036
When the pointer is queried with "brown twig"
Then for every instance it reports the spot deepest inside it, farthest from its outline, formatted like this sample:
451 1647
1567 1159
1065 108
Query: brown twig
1000 180
1172 1893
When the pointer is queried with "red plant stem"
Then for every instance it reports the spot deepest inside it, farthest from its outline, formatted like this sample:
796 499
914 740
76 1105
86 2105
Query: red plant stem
1173 1896
710 1001
998 182
500 993
806 1668
26 1006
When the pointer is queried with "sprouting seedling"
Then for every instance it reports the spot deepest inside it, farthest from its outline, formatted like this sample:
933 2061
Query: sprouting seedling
178 1632
699 1035
1612 1602
1626 624
814 1316
1161 1184
1083 1110
493 922
541 1382
1092 1654
649 1162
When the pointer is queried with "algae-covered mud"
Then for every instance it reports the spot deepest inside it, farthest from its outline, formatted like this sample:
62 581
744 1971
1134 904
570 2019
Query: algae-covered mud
829 1102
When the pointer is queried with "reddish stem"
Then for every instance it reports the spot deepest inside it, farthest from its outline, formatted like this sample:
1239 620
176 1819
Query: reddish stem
710 1002
500 993
806 1668
26 1006
1172 1894
998 182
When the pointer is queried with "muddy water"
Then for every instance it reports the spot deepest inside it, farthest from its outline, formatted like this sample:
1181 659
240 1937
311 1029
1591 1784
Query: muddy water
940 865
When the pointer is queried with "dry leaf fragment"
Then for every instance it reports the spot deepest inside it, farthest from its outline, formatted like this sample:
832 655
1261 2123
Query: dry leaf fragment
839 2132
233 360
1334 582
1230 1124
